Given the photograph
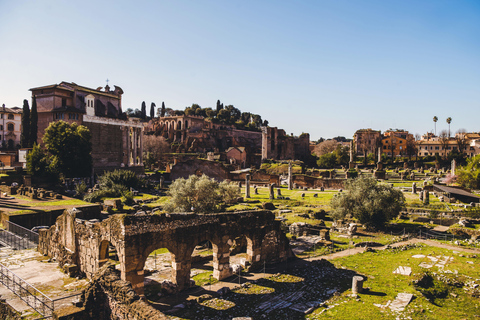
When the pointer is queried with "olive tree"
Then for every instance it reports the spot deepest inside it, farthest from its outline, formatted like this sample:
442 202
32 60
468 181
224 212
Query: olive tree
199 194
373 204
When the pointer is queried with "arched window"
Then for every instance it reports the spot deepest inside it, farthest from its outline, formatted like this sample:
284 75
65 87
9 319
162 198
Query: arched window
10 127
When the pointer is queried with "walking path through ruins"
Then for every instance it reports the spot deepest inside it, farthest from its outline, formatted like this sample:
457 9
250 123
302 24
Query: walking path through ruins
168 303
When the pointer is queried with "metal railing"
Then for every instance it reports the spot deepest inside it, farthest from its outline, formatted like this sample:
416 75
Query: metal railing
30 295
21 231
13 240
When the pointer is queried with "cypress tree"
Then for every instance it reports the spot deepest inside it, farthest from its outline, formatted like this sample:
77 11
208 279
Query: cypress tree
162 113
152 110
144 111
25 136
33 122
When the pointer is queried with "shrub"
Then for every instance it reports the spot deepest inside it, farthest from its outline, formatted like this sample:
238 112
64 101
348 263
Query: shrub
113 179
199 194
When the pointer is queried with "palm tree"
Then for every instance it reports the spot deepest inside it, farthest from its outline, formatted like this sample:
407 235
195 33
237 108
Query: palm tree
449 120
435 119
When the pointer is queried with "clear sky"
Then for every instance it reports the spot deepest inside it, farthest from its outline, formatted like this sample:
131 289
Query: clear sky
323 67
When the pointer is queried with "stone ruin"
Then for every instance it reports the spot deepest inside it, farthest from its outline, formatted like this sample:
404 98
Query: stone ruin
82 247
39 193
344 227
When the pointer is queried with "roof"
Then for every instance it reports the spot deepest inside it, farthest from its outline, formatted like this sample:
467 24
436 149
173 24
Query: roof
241 149
71 86
12 110
455 191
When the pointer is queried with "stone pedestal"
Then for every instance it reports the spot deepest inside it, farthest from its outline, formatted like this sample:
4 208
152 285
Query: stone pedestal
426 197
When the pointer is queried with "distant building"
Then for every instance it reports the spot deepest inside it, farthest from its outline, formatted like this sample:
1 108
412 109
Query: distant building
237 155
116 140
431 145
367 141
277 145
10 127
398 143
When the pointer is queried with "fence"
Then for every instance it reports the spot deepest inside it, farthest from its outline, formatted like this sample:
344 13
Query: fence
430 234
31 296
15 241
21 231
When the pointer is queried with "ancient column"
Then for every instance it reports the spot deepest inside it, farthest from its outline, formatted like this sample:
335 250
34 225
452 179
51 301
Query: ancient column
279 192
247 185
140 142
134 146
426 197
357 284
255 189
414 188
270 188
453 167
290 178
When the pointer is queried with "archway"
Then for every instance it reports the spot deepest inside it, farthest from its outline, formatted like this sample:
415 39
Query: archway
203 264
157 271
108 252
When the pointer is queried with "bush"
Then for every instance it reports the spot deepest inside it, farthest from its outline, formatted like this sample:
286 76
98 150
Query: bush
81 189
125 178
127 198
199 194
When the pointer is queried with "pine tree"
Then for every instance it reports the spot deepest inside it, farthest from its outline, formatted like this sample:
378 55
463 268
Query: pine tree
25 136
162 113
33 123
152 110
218 106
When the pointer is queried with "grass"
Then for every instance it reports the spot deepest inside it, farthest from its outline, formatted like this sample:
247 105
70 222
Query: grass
204 278
378 268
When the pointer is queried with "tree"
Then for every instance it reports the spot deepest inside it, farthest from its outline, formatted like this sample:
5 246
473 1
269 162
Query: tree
25 136
33 122
70 145
411 147
42 165
199 194
152 110
327 161
143 114
469 175
461 137
372 204
219 106
162 112
449 120
435 119
325 147
443 138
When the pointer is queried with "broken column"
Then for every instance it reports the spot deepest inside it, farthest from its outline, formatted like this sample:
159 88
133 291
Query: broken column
247 185
426 197
255 190
290 178
279 192
414 188
357 284
270 188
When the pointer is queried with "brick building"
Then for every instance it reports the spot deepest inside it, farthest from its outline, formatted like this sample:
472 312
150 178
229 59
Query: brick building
367 141
398 143
116 140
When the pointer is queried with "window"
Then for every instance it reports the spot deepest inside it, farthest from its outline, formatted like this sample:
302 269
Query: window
64 102
11 116
10 127
1 127
436 148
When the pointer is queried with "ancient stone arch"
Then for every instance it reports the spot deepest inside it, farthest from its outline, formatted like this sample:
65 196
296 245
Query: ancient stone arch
136 236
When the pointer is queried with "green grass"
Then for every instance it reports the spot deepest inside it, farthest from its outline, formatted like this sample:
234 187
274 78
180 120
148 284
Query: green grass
159 251
378 268
204 278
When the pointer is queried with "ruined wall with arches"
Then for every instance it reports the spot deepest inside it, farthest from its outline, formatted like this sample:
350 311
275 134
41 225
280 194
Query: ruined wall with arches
84 244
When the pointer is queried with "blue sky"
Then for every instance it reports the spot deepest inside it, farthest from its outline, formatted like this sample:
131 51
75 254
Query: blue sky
323 67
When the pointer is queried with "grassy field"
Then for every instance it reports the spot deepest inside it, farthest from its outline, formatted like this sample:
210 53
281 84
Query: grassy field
439 292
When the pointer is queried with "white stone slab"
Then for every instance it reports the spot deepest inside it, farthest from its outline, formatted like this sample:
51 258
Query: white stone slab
418 256
406 271
401 301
